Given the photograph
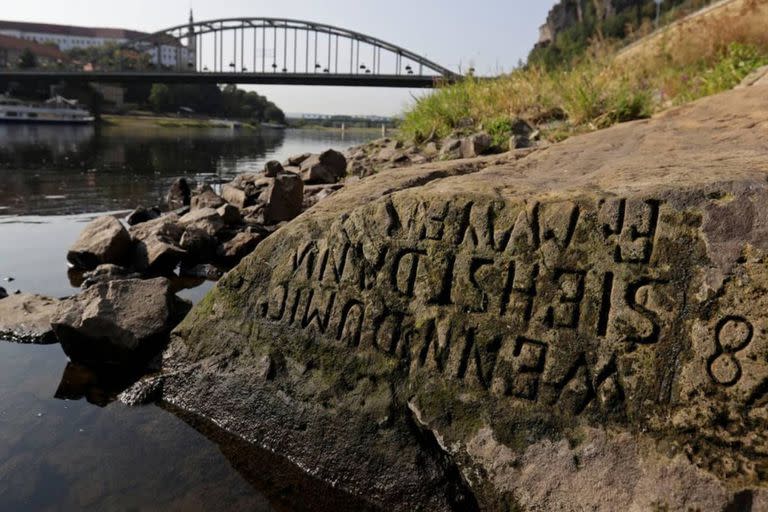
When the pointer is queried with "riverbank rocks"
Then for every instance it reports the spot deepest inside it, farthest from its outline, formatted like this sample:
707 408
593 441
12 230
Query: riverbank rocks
179 195
327 167
205 197
26 318
476 145
118 322
156 244
104 240
284 198
583 328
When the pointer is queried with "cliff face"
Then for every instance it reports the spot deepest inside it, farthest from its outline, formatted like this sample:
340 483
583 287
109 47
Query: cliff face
569 13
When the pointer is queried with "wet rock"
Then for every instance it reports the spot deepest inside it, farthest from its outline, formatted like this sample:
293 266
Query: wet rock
104 240
205 219
179 195
205 271
106 273
230 214
284 198
156 245
3 293
238 247
272 168
119 322
515 330
476 145
142 214
206 198
143 392
26 318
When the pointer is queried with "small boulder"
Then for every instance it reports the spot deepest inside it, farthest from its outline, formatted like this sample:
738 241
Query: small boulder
198 244
230 214
206 198
26 318
318 174
476 145
119 322
142 214
205 219
156 247
239 247
272 168
179 195
3 293
104 240
234 195
284 198
107 272
332 161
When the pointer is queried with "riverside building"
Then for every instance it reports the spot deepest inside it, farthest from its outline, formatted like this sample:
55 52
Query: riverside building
164 50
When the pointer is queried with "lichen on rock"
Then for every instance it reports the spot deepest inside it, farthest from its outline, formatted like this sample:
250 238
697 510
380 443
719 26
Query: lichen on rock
579 328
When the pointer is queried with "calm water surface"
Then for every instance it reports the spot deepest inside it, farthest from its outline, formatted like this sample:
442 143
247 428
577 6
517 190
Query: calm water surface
65 444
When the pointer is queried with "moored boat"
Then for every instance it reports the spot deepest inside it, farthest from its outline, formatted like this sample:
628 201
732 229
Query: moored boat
57 110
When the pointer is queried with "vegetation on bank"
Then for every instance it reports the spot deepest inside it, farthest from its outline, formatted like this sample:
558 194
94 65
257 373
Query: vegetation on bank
598 88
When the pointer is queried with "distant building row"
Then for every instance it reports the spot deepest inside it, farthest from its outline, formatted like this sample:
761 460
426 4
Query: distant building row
49 42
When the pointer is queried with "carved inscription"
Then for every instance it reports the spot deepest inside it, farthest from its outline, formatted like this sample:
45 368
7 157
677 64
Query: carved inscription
531 302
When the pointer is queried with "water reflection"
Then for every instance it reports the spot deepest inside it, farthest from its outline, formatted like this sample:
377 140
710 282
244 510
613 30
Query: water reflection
53 170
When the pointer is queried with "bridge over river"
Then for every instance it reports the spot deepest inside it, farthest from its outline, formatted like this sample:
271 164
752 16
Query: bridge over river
258 51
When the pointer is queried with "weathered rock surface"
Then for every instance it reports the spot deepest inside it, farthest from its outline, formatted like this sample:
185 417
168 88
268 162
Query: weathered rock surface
156 244
107 272
582 328
284 198
118 322
205 197
26 318
327 167
104 240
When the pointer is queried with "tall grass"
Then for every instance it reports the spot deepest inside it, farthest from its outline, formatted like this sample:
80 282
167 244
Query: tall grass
600 89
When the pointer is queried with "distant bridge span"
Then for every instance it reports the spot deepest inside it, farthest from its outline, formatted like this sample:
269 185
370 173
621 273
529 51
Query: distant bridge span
258 51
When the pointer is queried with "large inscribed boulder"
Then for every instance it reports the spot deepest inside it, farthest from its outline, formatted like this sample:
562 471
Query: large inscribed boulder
581 328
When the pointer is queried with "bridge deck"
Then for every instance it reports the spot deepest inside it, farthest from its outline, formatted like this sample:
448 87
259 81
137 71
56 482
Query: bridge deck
125 77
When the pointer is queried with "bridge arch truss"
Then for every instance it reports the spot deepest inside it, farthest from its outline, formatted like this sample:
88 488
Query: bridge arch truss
285 46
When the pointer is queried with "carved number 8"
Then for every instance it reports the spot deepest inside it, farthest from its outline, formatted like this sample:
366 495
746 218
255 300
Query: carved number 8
733 334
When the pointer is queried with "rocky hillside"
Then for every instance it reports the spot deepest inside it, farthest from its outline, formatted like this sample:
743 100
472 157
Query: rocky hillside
572 23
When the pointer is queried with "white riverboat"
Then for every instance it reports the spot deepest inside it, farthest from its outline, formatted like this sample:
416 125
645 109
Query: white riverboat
57 110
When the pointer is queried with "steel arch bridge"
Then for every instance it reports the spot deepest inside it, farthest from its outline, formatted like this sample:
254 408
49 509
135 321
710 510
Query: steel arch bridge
282 50
261 51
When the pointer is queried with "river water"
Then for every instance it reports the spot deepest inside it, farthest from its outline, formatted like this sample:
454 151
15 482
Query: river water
65 444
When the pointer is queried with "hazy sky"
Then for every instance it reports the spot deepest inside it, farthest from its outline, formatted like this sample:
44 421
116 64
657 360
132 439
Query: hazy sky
491 35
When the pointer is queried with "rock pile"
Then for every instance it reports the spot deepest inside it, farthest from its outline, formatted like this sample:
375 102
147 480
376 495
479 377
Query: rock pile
124 313
387 153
